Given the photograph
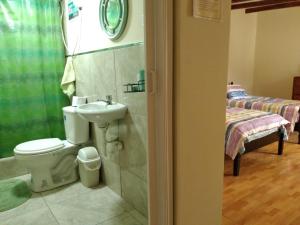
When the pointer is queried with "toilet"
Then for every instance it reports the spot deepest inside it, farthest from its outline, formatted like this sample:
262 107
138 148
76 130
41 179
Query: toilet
51 161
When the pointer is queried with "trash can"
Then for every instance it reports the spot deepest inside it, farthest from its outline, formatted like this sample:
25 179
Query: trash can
89 166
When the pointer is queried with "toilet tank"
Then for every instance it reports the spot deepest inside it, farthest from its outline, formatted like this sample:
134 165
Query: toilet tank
76 128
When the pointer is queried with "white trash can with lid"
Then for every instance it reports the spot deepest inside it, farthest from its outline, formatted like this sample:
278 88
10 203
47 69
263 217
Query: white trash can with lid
89 166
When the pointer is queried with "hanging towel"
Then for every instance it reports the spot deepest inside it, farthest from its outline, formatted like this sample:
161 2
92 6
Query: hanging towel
68 80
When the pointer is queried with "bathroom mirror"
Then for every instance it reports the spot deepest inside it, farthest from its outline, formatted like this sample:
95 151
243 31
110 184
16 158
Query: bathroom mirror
113 17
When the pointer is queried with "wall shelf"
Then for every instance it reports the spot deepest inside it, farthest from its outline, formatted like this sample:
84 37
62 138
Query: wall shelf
135 87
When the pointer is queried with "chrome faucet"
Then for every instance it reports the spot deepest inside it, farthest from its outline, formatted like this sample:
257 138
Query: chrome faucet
108 99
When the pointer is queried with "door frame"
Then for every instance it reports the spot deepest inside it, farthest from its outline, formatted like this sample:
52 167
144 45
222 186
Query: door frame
159 64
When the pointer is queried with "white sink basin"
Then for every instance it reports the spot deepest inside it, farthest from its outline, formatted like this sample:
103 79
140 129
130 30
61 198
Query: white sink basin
102 113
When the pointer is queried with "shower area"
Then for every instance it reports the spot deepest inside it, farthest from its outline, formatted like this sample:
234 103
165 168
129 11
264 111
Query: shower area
32 63
37 38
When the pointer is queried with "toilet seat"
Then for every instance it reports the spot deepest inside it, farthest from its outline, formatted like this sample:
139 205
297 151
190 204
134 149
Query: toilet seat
39 146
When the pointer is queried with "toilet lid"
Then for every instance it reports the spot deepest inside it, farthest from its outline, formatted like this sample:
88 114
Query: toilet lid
39 146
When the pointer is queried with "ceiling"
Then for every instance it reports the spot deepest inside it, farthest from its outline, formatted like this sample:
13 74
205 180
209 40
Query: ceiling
252 6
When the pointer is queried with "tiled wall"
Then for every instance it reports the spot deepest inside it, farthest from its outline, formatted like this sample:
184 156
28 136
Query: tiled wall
104 73
10 167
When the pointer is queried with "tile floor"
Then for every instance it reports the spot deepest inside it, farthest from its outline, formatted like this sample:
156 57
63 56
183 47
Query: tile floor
73 205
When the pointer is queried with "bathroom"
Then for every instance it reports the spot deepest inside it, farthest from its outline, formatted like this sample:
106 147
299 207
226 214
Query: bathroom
104 63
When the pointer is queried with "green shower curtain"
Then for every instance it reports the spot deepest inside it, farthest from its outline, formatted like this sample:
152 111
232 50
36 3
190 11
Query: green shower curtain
31 67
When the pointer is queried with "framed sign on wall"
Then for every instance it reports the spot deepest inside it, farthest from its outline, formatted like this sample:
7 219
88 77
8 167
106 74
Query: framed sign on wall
208 9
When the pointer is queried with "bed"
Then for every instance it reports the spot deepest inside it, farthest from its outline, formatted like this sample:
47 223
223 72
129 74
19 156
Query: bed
247 130
288 109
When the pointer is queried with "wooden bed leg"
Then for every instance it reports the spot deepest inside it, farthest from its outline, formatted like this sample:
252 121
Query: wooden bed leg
297 129
280 143
236 165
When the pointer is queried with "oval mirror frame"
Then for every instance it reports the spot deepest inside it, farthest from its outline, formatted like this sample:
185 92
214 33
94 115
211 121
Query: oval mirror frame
113 15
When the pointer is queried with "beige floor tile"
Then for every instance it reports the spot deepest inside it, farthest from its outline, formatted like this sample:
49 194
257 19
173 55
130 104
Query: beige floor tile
37 217
89 208
66 192
138 216
74 205
124 219
34 203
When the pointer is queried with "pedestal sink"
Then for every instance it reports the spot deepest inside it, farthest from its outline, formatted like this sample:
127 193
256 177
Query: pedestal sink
101 112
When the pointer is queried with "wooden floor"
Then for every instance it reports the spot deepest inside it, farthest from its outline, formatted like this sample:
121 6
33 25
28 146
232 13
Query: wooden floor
267 192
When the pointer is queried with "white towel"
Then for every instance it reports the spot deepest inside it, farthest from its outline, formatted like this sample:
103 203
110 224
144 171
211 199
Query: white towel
69 78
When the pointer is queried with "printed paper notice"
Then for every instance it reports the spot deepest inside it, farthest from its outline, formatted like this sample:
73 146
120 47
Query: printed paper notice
208 9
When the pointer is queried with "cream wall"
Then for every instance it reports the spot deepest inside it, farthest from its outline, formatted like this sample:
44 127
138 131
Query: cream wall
277 52
83 33
201 61
242 48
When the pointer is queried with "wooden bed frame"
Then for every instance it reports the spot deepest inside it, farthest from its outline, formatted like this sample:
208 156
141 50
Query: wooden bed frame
297 128
258 143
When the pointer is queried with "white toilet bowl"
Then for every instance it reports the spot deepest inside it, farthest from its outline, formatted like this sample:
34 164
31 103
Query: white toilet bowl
52 162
